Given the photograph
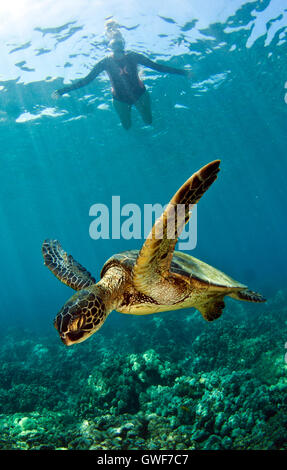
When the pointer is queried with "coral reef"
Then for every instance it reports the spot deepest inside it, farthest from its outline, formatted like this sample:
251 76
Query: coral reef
169 381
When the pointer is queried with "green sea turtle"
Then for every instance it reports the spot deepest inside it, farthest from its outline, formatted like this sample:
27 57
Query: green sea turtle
154 279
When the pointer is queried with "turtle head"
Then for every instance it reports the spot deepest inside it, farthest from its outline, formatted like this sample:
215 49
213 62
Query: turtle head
81 316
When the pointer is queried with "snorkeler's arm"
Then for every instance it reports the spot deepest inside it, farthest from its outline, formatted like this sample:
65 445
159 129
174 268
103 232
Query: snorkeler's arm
142 60
99 67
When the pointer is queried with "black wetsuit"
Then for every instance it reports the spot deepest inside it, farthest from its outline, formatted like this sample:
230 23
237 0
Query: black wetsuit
123 73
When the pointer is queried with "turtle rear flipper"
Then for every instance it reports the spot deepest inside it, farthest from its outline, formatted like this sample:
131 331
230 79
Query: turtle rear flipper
248 295
212 310
64 267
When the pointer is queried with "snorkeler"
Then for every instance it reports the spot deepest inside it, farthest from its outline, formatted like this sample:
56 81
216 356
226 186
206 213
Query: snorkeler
127 88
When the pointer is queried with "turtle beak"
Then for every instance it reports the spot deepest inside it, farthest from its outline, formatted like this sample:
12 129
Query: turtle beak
73 337
66 341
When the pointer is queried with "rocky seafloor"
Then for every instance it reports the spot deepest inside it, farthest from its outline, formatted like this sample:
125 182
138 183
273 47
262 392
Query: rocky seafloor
165 381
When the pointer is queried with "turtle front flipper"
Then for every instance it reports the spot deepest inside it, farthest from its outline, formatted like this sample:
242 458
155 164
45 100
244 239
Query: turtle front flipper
154 260
64 267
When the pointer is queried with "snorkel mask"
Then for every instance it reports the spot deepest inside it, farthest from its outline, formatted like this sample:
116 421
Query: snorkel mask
117 44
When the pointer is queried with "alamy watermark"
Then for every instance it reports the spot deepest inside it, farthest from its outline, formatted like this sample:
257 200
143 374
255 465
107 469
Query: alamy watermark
131 222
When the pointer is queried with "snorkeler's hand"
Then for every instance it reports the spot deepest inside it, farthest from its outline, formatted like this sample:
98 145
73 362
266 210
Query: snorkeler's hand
56 95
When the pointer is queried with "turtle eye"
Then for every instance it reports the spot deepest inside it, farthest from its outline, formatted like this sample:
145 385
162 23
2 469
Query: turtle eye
77 323
80 322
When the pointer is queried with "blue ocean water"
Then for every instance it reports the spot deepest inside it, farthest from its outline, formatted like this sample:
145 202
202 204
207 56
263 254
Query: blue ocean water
59 157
